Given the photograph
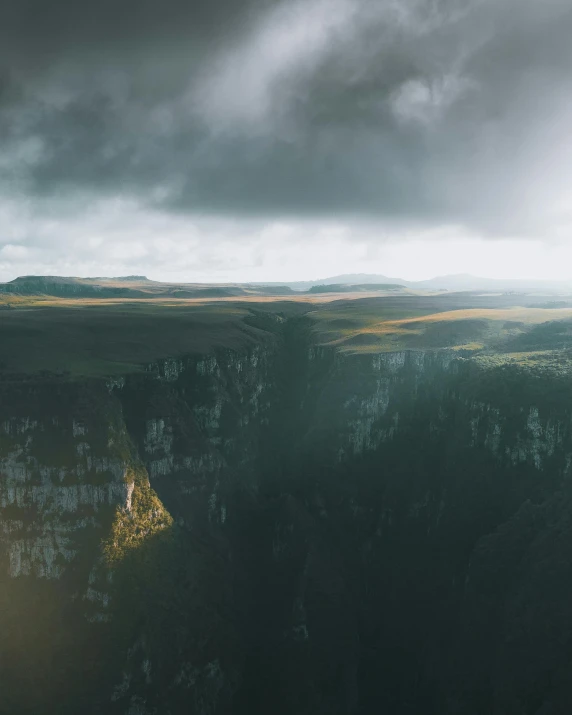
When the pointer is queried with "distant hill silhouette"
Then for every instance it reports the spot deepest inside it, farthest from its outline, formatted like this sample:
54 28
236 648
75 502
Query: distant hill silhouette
142 287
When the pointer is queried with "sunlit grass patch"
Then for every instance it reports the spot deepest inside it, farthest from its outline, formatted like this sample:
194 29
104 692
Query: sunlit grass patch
142 518
467 329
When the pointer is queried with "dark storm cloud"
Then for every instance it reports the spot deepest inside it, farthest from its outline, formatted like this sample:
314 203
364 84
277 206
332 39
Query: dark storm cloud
34 31
425 111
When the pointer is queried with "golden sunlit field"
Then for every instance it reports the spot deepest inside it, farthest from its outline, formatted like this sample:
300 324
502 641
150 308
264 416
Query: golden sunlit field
469 329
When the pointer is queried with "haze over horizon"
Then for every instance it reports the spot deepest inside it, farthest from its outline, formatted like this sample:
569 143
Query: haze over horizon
408 272
283 141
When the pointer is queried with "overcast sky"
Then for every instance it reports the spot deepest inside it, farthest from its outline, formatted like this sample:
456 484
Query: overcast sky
262 140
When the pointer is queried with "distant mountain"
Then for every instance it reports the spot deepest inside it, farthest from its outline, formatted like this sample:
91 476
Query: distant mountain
360 279
450 283
467 282
71 287
345 279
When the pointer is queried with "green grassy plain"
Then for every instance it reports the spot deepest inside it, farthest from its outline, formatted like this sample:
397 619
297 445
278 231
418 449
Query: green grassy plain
105 337
111 338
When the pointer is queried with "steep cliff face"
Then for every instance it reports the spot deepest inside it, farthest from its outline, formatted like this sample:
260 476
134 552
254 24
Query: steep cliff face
286 528
63 458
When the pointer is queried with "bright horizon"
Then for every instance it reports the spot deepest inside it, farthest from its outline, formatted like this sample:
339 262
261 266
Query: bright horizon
258 261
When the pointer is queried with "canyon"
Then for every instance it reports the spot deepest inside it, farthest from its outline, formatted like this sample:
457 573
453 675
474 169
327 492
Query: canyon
285 525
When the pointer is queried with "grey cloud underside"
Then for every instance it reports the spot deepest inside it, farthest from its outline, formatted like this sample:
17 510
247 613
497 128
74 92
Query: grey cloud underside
33 31
421 111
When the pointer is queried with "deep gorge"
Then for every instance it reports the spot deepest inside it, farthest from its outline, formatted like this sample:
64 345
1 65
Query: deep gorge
287 528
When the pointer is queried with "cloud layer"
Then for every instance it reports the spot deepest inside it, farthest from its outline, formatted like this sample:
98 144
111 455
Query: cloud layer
405 114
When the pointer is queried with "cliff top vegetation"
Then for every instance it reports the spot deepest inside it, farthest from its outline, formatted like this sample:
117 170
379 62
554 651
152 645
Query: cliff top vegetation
92 337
